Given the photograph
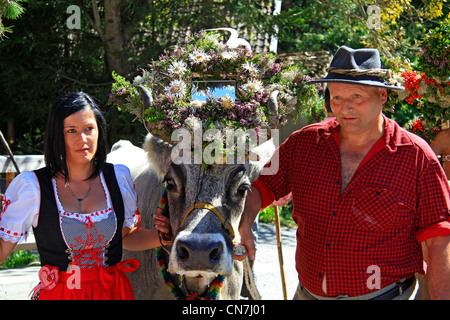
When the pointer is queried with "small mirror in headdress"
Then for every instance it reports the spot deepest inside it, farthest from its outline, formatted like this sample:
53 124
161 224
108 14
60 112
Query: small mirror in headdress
213 89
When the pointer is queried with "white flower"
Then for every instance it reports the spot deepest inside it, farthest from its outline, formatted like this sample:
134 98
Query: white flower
253 86
199 56
197 104
227 101
176 88
250 67
289 75
138 80
229 55
178 67
193 124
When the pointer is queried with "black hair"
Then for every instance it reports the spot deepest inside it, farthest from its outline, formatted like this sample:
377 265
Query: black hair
54 144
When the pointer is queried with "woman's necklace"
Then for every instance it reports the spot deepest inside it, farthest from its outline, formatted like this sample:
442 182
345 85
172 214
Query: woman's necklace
80 200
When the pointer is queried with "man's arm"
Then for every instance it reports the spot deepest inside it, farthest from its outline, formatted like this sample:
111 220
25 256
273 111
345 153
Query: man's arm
251 209
439 267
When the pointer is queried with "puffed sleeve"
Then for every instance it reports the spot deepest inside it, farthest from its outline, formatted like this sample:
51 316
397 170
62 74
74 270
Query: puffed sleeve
20 207
129 195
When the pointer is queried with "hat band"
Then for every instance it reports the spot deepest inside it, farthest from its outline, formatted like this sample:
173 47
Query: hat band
381 73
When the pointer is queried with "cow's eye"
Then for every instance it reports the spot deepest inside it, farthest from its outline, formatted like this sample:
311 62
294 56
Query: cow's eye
170 184
242 189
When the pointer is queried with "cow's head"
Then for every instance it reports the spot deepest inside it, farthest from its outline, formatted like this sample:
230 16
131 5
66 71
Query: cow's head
205 204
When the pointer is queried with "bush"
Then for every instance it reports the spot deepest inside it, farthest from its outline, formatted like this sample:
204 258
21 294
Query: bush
20 259
268 215
434 57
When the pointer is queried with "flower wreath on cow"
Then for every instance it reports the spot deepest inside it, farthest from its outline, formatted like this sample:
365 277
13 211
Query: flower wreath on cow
211 84
219 91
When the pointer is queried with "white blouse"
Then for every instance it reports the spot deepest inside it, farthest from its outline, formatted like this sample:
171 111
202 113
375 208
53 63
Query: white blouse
21 203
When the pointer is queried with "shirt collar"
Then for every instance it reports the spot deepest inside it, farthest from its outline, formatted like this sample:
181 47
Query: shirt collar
394 136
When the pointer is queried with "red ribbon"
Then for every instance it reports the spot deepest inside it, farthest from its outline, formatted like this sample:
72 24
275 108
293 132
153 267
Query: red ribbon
115 275
5 204
112 279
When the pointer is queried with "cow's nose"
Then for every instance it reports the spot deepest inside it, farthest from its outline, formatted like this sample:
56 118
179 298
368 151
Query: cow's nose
196 250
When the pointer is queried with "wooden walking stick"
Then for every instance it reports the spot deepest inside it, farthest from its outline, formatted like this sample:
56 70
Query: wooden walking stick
280 252
5 143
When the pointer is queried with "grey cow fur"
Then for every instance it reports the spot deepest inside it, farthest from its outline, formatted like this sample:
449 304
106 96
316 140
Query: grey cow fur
220 185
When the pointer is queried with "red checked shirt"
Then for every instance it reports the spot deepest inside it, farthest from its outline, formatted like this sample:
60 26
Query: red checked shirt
397 198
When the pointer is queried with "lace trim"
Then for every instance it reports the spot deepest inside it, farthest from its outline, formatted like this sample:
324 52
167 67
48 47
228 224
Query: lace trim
134 220
95 216
11 236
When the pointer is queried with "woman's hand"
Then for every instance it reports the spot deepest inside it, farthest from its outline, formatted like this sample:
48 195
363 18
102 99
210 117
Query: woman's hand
162 224
145 239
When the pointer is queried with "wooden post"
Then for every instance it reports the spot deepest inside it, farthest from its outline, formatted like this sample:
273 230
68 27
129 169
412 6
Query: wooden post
9 177
280 252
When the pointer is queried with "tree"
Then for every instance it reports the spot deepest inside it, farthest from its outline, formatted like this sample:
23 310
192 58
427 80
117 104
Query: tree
392 26
310 25
44 58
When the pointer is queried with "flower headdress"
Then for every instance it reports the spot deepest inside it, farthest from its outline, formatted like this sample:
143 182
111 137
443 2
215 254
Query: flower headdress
214 85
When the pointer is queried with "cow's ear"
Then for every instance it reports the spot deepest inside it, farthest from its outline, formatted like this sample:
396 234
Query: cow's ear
258 157
159 154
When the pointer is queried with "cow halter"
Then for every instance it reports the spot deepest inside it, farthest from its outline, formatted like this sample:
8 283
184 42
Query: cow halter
197 205
204 205
218 282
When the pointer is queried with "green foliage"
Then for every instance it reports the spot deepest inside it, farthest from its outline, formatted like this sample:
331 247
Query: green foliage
434 57
423 107
9 9
319 25
268 215
20 259
43 59
311 108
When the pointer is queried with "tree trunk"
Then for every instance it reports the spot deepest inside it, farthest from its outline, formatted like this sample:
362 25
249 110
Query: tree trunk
114 40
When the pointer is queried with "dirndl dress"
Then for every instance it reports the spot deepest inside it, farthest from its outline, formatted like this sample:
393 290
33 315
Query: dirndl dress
80 253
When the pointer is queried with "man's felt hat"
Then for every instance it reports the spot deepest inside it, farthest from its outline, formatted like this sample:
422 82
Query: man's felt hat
359 66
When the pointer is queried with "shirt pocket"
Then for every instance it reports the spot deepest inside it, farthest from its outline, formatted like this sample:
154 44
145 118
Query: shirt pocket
379 209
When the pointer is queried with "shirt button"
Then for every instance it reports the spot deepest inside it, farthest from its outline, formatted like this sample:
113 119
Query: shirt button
328 245
334 213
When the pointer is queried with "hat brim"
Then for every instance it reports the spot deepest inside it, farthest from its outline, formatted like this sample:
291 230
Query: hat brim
370 83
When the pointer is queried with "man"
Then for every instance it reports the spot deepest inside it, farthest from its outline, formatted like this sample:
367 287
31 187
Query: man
366 194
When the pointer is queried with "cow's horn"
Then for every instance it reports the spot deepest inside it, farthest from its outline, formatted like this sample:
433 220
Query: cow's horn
273 109
153 128
148 102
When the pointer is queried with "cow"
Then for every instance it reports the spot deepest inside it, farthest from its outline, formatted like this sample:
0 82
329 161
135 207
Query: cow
203 244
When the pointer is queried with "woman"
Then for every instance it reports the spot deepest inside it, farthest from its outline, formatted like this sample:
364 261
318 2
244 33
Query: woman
82 209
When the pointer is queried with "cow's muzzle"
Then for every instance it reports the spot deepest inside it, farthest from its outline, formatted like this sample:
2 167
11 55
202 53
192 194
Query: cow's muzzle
196 254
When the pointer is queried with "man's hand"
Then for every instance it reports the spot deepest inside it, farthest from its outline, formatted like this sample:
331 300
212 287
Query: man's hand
251 209
248 242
